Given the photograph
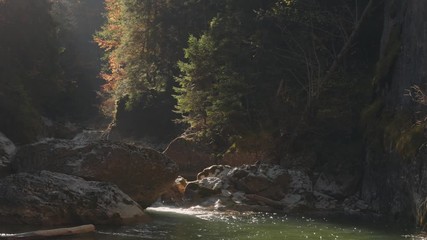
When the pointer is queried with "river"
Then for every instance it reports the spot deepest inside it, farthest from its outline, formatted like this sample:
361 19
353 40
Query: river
190 224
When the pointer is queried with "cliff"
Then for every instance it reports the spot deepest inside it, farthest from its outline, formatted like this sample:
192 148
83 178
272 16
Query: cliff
395 173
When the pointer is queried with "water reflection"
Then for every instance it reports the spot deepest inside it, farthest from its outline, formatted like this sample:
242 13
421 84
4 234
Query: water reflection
196 223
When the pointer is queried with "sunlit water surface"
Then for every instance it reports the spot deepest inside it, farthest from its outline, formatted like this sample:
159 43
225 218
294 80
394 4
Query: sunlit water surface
189 224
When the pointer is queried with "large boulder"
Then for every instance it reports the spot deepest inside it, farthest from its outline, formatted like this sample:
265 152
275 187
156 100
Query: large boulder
143 174
7 150
266 180
47 198
190 156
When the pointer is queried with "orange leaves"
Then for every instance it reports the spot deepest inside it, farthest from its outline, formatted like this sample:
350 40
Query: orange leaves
106 44
109 39
115 74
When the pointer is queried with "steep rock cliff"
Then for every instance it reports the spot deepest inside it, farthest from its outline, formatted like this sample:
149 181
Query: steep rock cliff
395 174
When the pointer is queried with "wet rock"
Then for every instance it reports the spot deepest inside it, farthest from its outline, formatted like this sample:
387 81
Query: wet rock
143 174
7 150
47 198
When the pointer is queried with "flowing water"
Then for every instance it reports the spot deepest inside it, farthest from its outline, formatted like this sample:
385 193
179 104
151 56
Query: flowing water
190 224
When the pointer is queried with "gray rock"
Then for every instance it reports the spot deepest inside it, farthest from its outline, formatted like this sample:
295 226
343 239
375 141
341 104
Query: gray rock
338 186
88 136
143 174
300 182
354 204
212 183
219 171
324 201
194 191
253 183
239 197
47 198
266 180
295 202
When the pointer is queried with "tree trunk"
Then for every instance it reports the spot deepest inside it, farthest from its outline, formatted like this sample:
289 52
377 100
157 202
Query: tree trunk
42 234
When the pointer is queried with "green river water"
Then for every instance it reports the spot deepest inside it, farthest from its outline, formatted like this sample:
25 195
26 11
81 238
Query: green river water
190 224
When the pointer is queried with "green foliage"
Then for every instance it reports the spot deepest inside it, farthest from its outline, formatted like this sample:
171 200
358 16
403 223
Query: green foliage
143 41
258 67
247 68
217 77
210 93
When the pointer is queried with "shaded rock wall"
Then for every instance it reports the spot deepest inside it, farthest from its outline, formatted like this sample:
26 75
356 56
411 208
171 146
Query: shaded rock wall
395 183
7 150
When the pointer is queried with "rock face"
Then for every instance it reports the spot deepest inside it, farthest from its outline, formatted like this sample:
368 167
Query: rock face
190 156
47 198
143 174
394 183
7 150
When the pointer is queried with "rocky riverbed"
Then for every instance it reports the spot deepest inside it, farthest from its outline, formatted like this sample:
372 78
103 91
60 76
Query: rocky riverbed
265 187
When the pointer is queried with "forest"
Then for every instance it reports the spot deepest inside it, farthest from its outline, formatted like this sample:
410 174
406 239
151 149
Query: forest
336 88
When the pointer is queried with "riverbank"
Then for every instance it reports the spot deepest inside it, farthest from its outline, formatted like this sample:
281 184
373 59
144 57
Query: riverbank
264 188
